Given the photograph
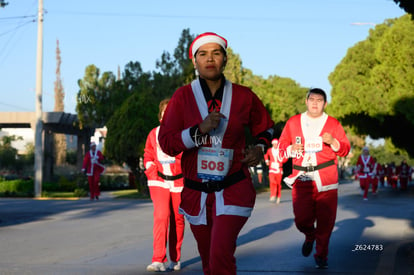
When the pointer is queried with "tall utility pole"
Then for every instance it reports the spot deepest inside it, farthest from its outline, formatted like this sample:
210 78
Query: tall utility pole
38 162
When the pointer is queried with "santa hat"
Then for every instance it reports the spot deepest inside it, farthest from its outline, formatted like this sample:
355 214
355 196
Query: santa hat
204 38
275 141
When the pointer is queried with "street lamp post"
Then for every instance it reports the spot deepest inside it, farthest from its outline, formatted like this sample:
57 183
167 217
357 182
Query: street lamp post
38 161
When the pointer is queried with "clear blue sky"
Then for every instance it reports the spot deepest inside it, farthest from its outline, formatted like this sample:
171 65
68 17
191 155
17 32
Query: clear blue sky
300 39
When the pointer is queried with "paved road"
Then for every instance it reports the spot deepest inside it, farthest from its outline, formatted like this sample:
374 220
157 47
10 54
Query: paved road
115 237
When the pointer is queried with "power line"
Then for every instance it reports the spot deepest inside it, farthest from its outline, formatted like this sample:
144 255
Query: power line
4 52
15 106
17 17
149 15
18 26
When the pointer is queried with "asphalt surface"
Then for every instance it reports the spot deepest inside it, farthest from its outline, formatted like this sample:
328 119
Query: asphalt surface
114 236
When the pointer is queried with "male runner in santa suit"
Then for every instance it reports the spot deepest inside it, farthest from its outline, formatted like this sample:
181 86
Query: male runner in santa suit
365 166
375 176
207 120
314 140
392 177
275 171
93 167
404 174
165 182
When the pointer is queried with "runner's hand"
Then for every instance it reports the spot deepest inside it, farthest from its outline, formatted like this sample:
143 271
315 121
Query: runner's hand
211 122
252 155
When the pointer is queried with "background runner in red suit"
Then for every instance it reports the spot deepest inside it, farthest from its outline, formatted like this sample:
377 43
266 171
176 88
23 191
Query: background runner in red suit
275 171
314 140
404 174
375 176
206 120
365 166
381 174
392 177
165 182
92 165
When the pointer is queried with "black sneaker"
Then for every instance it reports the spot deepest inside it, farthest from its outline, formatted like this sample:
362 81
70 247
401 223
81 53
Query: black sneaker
307 248
321 263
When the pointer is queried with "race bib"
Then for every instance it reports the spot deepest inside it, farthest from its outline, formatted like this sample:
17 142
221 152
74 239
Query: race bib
313 145
213 163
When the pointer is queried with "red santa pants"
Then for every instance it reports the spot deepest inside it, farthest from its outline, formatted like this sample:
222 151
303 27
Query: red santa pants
310 206
166 214
403 183
216 241
374 182
94 185
392 181
275 184
365 184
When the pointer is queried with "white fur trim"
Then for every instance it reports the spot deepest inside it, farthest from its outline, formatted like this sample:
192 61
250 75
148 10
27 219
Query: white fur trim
222 209
201 218
149 164
186 138
205 40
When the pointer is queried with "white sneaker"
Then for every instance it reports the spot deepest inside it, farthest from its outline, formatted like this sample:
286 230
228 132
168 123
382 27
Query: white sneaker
272 199
174 266
156 266
278 200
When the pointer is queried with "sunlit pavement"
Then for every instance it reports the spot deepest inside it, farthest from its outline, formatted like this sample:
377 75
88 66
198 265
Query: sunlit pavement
113 236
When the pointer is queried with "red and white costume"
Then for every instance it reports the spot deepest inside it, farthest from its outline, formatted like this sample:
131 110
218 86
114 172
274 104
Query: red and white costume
229 208
375 177
165 184
275 163
381 174
314 194
92 164
392 176
404 174
365 165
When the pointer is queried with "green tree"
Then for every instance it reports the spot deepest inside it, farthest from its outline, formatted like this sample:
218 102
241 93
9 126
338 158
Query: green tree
406 5
128 129
283 98
178 65
373 87
234 70
95 97
8 154
129 126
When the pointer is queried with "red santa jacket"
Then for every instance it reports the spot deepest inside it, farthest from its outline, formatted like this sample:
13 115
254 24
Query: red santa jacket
242 109
300 126
272 159
366 166
161 169
404 171
92 163
379 170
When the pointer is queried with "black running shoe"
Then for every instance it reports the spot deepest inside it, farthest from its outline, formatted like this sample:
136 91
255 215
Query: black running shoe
321 263
307 248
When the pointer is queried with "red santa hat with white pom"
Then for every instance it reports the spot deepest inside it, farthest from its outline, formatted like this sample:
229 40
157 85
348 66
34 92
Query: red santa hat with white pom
205 38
